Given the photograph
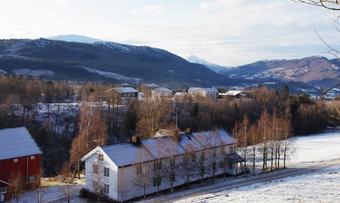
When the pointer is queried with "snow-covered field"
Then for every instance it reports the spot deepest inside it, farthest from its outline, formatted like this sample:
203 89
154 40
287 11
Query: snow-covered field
323 186
319 186
315 148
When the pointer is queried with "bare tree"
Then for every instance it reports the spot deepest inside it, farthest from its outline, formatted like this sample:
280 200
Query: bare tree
17 185
92 133
151 116
144 172
328 4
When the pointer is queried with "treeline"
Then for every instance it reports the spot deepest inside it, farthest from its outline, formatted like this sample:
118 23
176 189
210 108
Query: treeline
305 115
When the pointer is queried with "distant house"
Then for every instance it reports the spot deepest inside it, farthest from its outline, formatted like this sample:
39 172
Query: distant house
234 94
20 161
161 92
126 94
127 171
180 95
203 92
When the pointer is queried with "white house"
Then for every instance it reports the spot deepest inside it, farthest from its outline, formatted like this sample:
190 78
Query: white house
203 92
128 171
161 92
234 94
126 94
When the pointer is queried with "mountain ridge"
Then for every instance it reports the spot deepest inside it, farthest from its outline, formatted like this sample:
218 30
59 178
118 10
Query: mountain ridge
310 70
108 61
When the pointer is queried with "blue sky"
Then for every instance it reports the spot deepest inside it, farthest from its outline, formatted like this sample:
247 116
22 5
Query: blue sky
221 31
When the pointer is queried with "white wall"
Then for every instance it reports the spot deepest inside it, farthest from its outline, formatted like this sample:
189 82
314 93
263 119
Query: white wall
112 180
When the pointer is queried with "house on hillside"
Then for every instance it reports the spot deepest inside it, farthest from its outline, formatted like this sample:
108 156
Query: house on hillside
132 170
234 94
20 161
126 95
161 92
203 92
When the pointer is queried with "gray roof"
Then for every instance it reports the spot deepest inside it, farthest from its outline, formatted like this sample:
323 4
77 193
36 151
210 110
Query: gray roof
125 90
162 147
126 154
17 142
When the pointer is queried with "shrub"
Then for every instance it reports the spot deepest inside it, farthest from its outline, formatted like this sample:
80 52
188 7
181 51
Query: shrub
85 193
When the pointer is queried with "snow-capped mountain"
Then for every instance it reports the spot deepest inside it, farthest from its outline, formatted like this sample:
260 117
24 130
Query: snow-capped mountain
214 67
102 61
314 70
75 38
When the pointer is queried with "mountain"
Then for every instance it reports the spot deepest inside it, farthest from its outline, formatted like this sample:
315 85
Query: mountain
102 61
214 67
314 70
75 38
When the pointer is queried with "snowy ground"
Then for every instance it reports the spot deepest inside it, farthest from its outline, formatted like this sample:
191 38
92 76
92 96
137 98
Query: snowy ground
316 148
53 191
320 184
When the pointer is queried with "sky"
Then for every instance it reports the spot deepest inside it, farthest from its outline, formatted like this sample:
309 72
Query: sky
225 32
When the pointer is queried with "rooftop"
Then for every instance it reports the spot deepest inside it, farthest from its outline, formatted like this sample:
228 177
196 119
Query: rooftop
161 147
17 142
125 90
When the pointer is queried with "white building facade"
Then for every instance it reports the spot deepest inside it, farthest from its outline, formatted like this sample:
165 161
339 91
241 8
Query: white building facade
128 171
161 92
203 92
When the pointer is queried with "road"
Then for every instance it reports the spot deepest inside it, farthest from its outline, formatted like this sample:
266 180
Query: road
236 182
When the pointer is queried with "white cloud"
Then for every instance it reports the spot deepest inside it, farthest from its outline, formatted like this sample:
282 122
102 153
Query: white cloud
64 2
151 10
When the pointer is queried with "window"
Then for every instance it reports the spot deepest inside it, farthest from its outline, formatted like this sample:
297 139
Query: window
232 149
202 155
106 172
16 160
214 166
193 157
32 157
95 186
222 151
157 181
106 189
172 163
95 168
172 177
202 170
139 169
157 165
101 157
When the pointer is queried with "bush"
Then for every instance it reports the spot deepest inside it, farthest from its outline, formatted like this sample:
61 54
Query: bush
85 193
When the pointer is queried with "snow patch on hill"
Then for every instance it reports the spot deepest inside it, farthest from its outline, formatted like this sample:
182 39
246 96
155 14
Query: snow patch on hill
30 72
112 75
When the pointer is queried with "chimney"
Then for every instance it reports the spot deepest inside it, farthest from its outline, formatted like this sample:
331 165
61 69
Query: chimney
135 139
176 135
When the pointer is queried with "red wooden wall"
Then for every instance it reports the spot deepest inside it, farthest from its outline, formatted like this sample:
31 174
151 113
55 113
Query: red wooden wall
23 168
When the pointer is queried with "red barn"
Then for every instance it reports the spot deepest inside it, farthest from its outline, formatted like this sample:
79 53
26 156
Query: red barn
20 161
